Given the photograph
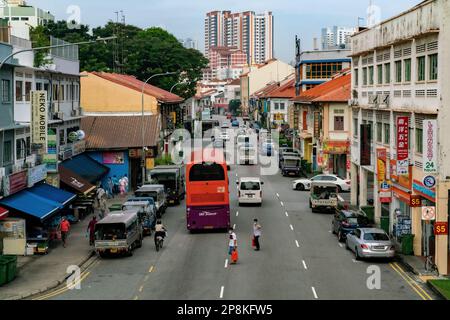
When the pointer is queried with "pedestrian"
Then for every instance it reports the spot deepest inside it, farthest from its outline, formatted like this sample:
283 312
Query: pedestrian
64 226
232 243
256 233
122 186
110 187
91 230
127 183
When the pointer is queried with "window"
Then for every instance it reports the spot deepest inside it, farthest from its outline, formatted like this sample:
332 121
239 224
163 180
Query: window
355 127
19 91
433 62
387 73
20 149
206 172
387 133
46 88
356 76
371 75
281 106
305 120
6 87
277 106
62 137
407 70
338 123
7 152
419 140
421 69
365 76
55 92
371 130
322 70
398 71
28 140
380 74
38 86
379 132
61 92
28 91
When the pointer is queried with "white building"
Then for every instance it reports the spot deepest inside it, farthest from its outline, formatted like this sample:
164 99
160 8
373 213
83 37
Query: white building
336 37
400 69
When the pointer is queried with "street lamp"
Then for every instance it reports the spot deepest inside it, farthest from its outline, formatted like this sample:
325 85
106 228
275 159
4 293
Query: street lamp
143 121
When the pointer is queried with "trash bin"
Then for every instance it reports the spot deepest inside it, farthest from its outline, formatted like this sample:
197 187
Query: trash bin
384 224
11 267
3 269
407 244
370 212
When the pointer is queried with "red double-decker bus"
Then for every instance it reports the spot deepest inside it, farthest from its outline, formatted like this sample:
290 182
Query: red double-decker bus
207 193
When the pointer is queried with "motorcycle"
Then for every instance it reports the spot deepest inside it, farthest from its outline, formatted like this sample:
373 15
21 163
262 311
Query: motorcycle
159 241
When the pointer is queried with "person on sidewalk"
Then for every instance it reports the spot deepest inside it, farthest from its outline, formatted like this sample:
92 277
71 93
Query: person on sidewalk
64 227
232 243
127 183
256 233
110 188
91 230
122 186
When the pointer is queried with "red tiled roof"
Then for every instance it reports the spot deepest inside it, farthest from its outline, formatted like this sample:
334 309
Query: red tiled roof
335 90
267 89
235 82
286 90
133 83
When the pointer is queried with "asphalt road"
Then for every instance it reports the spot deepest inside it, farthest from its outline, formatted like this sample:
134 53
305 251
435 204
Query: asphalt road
299 259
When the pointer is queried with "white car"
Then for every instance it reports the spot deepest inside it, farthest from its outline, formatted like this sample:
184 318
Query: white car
305 184
250 190
225 125
224 136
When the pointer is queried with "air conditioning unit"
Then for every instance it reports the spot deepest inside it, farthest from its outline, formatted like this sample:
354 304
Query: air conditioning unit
373 100
55 107
74 113
58 115
384 101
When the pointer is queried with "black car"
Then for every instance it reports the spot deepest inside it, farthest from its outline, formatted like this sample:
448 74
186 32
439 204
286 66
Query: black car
345 221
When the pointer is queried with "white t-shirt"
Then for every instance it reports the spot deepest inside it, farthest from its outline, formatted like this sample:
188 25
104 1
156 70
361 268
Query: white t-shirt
232 237
256 230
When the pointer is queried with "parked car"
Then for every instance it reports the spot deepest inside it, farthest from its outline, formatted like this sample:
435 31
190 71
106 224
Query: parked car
370 243
323 196
172 177
218 143
250 190
146 212
224 136
342 184
225 125
291 164
345 221
301 185
235 123
229 116
155 191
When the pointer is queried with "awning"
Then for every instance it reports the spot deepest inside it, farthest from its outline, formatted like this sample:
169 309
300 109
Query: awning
86 167
3 213
74 181
39 201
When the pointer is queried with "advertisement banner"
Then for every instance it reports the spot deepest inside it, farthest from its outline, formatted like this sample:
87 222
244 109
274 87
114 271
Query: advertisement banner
402 145
317 125
430 146
39 118
51 157
381 164
15 183
113 157
365 146
37 174
385 192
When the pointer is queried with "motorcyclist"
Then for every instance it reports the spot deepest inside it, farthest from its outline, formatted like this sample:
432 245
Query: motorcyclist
160 230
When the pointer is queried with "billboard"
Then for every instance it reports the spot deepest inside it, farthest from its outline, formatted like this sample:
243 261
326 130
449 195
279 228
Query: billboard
430 146
39 118
402 145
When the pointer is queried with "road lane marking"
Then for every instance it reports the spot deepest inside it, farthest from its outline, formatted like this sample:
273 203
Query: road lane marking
141 288
341 245
63 289
237 213
282 204
314 293
287 214
329 231
278 195
413 284
304 265
145 278
297 244
234 226
292 228
221 291
355 261
136 298
151 269
226 263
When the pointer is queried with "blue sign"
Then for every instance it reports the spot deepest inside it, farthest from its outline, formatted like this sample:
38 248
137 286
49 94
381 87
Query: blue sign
429 181
424 190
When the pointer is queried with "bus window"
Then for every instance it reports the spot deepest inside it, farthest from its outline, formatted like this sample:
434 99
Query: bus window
206 172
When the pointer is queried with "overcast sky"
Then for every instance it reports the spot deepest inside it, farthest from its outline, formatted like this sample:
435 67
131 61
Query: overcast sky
184 18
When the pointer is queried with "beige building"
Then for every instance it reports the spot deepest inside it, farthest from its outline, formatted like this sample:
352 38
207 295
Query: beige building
400 71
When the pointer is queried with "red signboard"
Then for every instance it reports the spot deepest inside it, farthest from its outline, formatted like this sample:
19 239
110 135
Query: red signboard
15 182
402 138
441 228
415 201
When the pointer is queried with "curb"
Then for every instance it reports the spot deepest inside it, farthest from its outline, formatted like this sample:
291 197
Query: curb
55 283
435 290
407 265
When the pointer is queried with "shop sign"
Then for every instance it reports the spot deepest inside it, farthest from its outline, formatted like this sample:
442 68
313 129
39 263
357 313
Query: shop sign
415 201
113 157
15 183
135 153
365 145
39 118
36 174
430 146
429 213
348 163
402 145
385 194
381 164
429 182
425 192
317 125
335 147
51 157
441 228
149 163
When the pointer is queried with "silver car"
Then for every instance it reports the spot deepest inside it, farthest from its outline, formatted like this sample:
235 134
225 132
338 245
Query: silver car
370 243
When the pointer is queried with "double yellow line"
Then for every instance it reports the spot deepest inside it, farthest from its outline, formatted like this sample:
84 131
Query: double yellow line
65 288
413 284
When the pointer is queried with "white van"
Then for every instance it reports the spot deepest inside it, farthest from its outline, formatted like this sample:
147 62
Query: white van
250 191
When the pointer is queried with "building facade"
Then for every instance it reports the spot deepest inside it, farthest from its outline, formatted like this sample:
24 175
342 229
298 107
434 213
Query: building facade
336 37
400 109
225 63
250 32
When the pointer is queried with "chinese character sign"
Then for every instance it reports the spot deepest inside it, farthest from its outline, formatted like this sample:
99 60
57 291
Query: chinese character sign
430 146
402 145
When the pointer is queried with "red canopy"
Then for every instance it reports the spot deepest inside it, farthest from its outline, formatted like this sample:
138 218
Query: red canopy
3 213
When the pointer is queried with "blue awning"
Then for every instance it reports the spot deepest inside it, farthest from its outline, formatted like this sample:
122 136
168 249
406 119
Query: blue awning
39 201
86 167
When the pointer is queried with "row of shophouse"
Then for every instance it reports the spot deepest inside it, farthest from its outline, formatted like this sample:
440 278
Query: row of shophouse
95 129
378 115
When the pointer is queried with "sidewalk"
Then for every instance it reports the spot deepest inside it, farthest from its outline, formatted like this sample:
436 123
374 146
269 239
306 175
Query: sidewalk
39 273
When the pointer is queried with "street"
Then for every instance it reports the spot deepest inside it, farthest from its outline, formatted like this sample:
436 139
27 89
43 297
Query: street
299 259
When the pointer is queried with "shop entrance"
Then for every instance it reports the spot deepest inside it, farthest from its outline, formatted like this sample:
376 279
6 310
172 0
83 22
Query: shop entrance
135 173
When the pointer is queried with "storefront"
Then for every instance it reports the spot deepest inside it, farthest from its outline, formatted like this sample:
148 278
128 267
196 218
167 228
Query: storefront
86 167
336 154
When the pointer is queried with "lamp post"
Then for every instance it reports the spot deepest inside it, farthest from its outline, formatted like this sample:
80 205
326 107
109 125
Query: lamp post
143 120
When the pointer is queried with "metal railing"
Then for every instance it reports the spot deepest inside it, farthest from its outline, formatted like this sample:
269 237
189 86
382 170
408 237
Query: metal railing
68 52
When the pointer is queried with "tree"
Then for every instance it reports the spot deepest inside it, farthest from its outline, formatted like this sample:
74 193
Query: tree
145 52
234 105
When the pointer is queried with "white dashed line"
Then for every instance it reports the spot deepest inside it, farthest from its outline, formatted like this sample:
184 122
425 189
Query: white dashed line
282 204
297 244
355 261
287 214
221 291
278 195
304 265
341 245
237 213
292 228
329 231
234 226
314 293
226 263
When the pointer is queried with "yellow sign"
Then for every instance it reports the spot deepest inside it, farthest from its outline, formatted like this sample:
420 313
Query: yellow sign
39 117
174 117
150 163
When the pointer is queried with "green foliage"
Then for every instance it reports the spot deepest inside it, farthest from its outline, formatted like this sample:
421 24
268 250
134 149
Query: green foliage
443 286
234 106
164 160
145 53
39 39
